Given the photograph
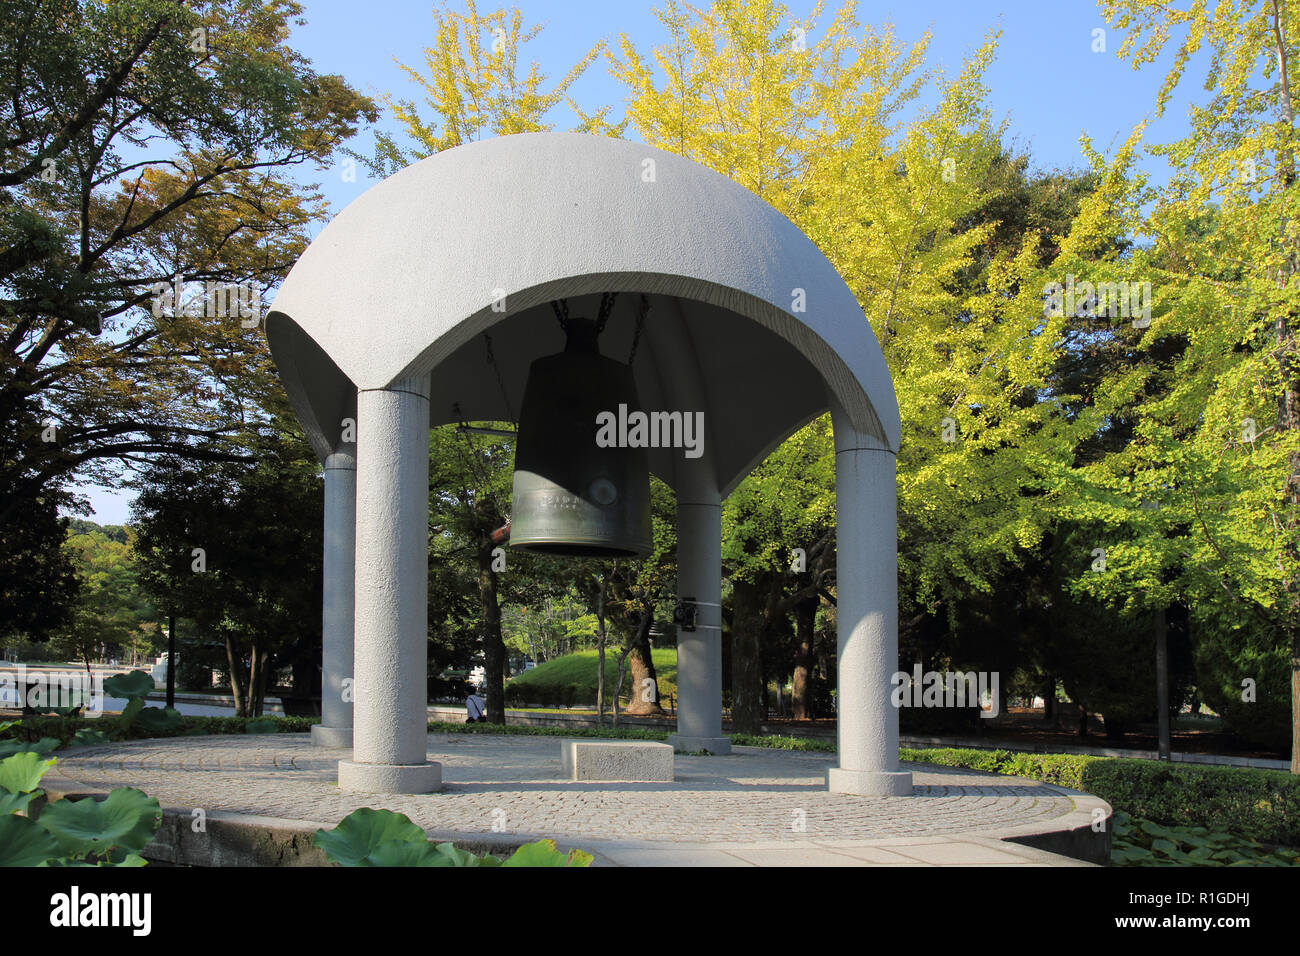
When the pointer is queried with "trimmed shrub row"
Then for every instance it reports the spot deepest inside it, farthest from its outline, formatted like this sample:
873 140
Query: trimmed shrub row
521 730
65 728
784 743
1065 770
1262 805
521 695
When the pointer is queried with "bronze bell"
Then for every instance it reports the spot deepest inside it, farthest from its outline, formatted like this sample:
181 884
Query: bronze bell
572 497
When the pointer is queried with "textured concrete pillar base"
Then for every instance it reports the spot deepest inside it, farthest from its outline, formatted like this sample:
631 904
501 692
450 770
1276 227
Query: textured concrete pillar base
322 736
714 745
390 778
869 783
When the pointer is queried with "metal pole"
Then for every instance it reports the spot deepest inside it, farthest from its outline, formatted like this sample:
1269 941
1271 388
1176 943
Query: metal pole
171 660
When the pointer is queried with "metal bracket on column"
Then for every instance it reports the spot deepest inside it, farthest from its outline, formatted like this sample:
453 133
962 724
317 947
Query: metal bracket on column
684 614
687 611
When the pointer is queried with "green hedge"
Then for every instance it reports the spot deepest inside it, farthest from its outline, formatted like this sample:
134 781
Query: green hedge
523 730
236 725
1261 805
784 743
1065 770
65 728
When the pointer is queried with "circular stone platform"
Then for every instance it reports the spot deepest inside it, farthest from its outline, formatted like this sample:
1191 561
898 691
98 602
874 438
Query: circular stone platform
755 805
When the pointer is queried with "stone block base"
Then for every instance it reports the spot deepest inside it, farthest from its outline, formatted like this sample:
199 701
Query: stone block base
626 760
715 745
390 778
322 736
869 783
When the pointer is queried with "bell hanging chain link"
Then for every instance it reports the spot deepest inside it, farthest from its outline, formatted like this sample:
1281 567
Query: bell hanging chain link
640 325
606 307
561 309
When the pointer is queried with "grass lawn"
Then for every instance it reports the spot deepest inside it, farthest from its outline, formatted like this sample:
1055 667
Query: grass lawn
547 681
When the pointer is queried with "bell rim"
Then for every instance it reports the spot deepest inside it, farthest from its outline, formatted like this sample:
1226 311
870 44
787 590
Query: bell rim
570 549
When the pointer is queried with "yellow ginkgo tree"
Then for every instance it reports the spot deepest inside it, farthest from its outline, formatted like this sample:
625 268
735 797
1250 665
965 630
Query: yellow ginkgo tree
886 164
1216 416
474 86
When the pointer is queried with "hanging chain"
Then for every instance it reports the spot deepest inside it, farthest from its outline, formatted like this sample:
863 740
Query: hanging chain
606 307
640 324
492 360
561 308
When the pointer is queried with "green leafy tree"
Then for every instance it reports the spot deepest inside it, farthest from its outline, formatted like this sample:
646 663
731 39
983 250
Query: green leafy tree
624 598
105 615
474 85
900 190
38 582
550 626
235 549
147 143
1214 407
469 482
779 555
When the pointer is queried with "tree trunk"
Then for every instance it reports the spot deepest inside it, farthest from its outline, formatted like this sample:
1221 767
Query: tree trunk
1289 421
642 666
618 689
1288 410
805 616
1049 700
257 682
746 664
235 662
269 669
494 648
1164 744
1295 700
254 675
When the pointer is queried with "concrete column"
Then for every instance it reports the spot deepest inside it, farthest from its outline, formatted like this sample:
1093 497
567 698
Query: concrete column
866 587
699 539
335 728
699 652
390 740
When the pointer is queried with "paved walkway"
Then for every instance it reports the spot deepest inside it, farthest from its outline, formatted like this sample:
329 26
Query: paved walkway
756 806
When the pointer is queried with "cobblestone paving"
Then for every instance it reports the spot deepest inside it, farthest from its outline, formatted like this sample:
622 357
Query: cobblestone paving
513 784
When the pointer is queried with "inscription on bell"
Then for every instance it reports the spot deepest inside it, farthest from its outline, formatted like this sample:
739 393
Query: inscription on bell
572 502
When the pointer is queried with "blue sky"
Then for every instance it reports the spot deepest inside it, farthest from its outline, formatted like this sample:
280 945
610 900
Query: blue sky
1047 80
